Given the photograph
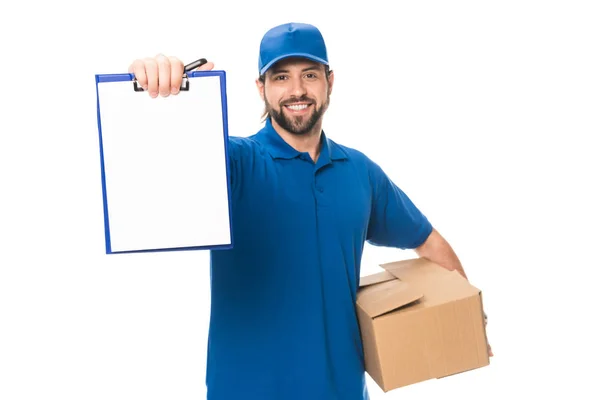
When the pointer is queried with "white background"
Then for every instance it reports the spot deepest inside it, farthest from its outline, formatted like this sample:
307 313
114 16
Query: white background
485 113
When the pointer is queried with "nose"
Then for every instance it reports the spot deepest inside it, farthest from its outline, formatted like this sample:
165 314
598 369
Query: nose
298 87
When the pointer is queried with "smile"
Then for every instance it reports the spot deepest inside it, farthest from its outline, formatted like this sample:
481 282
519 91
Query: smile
297 107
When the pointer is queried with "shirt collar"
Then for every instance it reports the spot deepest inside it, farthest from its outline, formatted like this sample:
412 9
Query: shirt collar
279 148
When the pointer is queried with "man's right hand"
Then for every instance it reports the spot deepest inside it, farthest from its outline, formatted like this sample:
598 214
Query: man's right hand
161 75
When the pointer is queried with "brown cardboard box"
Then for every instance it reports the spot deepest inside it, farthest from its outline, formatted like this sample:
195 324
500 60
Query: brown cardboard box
419 321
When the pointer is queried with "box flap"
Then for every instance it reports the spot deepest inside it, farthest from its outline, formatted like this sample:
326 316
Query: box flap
437 284
383 297
376 278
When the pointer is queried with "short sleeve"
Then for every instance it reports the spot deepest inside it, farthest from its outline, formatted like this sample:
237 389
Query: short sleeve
394 221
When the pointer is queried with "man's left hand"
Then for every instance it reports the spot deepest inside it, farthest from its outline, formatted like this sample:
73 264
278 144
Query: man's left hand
490 352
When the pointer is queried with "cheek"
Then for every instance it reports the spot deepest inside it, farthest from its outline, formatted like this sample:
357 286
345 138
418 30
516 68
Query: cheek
273 96
320 93
320 96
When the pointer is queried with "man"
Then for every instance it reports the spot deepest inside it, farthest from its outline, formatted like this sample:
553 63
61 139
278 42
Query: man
283 323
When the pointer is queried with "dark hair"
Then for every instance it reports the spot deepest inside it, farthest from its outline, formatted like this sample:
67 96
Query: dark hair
261 79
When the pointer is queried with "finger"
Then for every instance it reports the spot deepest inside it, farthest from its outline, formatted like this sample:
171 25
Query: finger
152 76
138 70
164 75
206 67
176 74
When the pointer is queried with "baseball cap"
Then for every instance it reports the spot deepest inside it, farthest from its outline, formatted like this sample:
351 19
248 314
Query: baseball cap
291 40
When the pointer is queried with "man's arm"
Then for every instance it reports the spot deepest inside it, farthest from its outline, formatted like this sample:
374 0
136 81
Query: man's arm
438 250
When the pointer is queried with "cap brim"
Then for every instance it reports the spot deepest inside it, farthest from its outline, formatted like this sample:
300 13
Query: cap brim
302 55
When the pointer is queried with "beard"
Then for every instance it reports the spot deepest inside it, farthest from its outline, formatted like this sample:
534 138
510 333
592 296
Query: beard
300 125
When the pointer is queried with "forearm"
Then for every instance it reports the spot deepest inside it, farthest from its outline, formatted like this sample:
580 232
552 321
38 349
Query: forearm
438 250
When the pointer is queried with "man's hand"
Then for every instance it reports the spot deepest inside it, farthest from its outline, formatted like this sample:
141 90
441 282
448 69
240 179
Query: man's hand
161 75
438 250
490 352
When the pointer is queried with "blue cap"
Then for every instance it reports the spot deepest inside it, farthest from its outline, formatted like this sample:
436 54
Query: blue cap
291 40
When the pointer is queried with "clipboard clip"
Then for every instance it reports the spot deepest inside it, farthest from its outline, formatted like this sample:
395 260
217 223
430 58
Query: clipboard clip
185 83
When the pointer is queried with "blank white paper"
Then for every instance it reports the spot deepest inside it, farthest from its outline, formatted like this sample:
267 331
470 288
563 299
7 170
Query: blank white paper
165 166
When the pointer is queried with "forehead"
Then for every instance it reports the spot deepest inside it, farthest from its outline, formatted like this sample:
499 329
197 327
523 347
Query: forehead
294 63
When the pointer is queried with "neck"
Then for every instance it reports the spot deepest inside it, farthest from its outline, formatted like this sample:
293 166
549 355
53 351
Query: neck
309 142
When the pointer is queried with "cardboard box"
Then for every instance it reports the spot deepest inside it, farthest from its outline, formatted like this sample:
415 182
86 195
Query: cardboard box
419 321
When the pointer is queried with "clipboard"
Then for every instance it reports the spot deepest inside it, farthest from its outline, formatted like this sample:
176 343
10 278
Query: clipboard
164 164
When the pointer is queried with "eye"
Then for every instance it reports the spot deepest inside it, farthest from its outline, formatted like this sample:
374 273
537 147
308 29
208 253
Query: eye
311 75
280 77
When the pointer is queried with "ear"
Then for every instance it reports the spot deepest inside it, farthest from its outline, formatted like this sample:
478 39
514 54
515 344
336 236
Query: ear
261 88
330 81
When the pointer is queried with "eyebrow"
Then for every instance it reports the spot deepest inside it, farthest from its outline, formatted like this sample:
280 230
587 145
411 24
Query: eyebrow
282 70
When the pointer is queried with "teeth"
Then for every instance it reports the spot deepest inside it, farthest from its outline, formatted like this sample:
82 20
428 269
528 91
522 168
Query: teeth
298 107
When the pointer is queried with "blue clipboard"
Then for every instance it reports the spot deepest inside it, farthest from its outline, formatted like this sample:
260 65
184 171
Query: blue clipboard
164 165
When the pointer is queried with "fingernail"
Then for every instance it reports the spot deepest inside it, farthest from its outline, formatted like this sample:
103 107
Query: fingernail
153 94
174 90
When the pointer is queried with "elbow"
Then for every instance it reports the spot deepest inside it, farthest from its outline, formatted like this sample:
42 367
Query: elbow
428 246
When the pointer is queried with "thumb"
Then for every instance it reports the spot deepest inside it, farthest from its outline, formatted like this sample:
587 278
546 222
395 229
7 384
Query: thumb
205 67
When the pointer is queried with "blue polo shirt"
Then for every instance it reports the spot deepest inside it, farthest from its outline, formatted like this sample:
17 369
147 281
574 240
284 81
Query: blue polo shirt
283 324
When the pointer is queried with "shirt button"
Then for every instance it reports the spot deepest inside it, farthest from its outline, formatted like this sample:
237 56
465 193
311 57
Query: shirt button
320 189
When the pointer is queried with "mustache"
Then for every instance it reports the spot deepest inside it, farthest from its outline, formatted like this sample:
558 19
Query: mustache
293 100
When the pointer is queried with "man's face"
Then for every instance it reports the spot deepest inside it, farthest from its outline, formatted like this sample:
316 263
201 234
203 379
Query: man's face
296 94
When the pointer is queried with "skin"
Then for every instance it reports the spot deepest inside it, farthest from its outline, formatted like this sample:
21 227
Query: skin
290 82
